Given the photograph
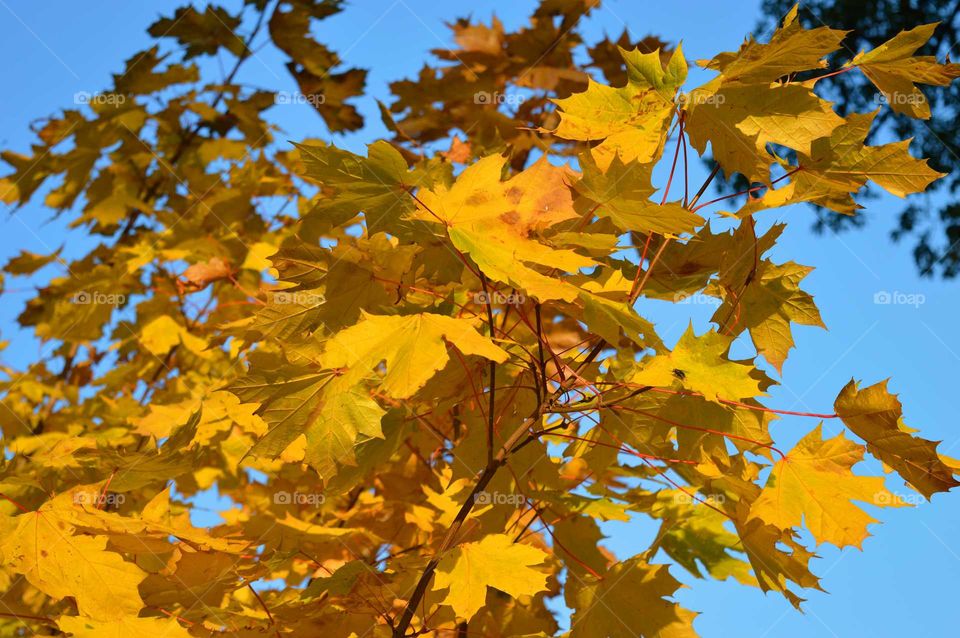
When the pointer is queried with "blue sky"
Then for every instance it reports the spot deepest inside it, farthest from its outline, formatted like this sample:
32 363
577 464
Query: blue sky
904 580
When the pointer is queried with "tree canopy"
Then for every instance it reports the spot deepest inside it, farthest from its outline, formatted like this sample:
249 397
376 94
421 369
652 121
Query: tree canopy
425 375
925 115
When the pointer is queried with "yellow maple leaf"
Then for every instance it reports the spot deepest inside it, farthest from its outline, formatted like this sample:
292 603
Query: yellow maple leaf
841 164
125 627
496 222
740 121
608 607
791 48
413 347
622 193
631 120
699 364
495 561
894 70
59 563
163 333
814 485
875 416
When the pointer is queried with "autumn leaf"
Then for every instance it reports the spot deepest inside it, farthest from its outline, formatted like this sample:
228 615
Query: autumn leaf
622 192
699 364
296 389
762 296
80 627
61 563
607 607
740 112
631 121
813 485
413 347
495 222
203 274
331 417
791 49
894 70
841 164
496 561
374 185
876 416
163 333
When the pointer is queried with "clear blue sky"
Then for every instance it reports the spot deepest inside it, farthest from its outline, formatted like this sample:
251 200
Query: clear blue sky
904 581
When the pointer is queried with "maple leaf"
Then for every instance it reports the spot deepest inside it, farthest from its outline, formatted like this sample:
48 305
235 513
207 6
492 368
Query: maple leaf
894 70
201 33
699 364
876 416
813 484
374 185
202 274
412 346
331 416
60 563
775 569
761 296
841 164
608 607
740 112
311 64
27 263
740 121
622 193
695 537
496 561
791 49
496 222
631 120
163 333
609 317
82 627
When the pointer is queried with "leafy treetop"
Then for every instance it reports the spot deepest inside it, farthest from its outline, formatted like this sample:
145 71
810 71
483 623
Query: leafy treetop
424 375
